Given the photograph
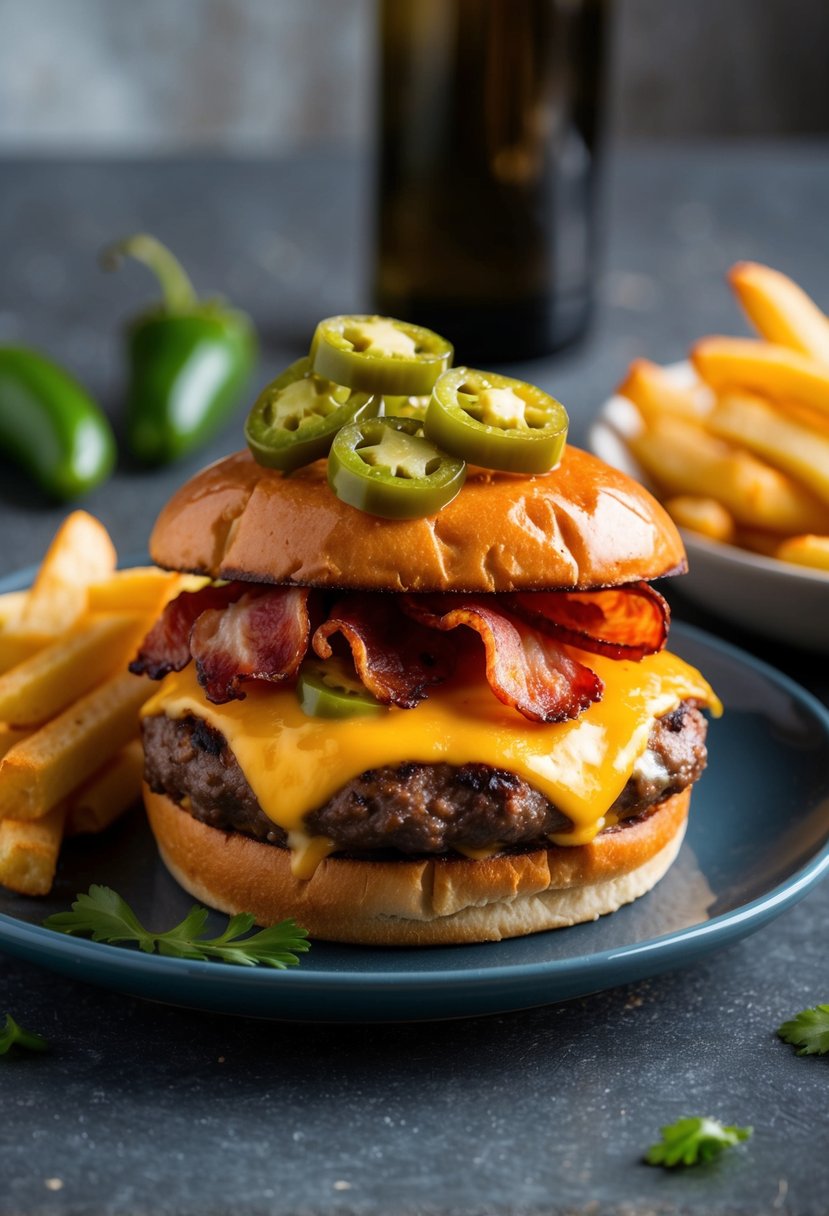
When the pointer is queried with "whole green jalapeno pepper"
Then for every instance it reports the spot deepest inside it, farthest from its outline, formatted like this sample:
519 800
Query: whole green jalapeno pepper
50 426
189 359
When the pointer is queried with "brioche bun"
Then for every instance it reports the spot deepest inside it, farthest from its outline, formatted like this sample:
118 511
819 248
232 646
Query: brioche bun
583 525
441 901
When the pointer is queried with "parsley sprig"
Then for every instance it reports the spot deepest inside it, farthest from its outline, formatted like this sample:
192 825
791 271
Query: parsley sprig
808 1031
13 1035
693 1141
105 917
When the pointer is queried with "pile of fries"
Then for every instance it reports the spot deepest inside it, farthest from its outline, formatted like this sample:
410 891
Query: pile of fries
740 450
71 756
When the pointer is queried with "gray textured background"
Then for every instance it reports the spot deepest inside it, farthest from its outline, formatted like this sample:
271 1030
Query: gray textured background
271 75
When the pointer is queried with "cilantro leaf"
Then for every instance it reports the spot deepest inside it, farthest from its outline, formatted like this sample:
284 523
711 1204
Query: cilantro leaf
808 1031
694 1140
105 917
13 1035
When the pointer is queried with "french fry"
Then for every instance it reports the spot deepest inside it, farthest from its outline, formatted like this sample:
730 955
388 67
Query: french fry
40 772
29 852
655 392
11 607
758 541
683 458
774 371
107 794
704 515
18 644
81 553
813 420
754 424
9 737
781 311
41 687
141 589
805 551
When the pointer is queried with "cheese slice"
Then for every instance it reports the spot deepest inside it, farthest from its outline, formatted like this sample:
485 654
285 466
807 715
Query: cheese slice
295 763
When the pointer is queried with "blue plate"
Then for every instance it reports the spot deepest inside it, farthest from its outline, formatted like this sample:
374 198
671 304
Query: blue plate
756 843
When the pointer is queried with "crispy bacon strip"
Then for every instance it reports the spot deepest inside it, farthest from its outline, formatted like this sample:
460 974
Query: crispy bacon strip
524 667
395 658
166 647
263 635
619 622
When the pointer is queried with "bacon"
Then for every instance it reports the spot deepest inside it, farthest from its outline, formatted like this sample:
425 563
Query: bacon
395 658
166 647
619 622
263 635
524 667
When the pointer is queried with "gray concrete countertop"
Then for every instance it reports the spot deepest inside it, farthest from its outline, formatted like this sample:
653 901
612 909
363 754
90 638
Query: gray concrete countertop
147 1109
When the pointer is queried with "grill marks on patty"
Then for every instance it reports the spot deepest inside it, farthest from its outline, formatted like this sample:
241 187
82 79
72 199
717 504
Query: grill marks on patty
413 808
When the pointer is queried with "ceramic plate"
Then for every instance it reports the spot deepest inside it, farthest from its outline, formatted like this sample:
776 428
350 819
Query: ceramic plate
769 766
782 601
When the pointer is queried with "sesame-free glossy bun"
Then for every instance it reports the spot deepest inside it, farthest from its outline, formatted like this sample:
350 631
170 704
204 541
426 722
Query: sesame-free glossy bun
438 901
582 525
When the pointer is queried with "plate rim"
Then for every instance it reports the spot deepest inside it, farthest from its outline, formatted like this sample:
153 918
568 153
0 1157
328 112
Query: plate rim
135 965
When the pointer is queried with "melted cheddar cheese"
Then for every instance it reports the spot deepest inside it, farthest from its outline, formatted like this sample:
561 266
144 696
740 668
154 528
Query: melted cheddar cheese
295 763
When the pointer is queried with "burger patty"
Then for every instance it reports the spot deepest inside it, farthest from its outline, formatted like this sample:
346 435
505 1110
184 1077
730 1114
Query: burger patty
413 808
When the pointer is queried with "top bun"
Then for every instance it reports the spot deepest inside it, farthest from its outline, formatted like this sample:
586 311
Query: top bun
583 525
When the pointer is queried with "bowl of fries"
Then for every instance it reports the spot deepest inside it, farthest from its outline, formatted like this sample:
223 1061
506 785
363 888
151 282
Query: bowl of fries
735 442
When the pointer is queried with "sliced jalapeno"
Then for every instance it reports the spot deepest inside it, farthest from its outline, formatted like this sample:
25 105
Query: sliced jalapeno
496 422
327 689
386 467
379 355
296 416
405 407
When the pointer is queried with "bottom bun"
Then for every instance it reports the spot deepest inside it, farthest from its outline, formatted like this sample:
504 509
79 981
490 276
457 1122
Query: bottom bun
438 901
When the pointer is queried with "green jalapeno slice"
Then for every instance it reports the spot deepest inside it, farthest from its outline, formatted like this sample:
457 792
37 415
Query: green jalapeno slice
405 407
496 422
296 416
326 688
386 467
379 355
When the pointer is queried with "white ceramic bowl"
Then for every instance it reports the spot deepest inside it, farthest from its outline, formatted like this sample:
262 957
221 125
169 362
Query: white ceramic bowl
783 601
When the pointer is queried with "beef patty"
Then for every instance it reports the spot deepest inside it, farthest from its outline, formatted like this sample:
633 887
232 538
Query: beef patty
413 808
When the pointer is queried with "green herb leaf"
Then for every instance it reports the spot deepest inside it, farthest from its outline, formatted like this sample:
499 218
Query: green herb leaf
13 1035
105 917
692 1141
808 1031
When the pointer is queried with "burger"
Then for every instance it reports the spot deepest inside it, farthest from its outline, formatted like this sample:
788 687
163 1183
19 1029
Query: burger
450 727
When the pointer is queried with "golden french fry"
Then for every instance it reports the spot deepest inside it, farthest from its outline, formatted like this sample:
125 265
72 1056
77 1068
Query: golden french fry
758 426
81 553
18 641
141 589
9 736
18 644
110 792
655 391
684 458
758 541
813 420
805 551
771 370
43 686
780 310
11 607
38 773
29 852
704 515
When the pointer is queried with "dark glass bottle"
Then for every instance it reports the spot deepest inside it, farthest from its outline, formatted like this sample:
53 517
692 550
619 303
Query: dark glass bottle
488 127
